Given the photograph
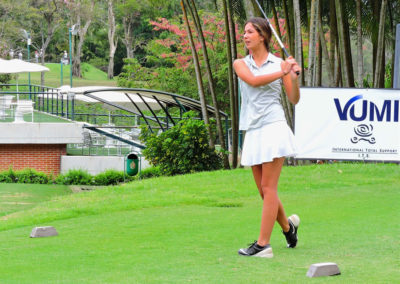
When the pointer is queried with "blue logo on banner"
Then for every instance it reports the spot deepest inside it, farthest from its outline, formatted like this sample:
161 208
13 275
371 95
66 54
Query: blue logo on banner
368 110
364 133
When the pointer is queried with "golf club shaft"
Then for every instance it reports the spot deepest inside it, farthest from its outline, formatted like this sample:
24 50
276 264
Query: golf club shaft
274 32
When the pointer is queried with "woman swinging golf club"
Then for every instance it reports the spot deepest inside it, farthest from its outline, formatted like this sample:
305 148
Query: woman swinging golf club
268 138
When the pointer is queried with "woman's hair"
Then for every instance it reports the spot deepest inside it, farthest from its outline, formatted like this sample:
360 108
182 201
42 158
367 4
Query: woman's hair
262 27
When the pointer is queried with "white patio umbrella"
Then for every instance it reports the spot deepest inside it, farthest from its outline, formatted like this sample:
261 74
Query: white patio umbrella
15 66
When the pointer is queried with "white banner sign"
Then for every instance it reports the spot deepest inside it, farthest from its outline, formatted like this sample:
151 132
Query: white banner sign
348 124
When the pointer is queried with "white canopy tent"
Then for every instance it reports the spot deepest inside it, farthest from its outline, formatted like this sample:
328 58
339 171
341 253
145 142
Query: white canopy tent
15 66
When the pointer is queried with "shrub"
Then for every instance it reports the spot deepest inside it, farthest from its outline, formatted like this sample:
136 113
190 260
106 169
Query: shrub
181 149
80 177
31 176
109 177
6 177
150 172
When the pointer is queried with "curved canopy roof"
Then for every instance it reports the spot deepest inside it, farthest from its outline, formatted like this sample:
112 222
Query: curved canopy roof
137 100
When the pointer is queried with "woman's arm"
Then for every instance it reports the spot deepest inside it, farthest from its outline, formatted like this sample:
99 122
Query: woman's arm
245 74
291 83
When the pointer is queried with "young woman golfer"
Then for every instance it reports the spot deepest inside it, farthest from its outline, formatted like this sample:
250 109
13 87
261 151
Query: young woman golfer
268 138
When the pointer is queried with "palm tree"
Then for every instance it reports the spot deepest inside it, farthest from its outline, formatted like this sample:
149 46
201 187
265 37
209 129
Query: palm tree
360 60
380 49
199 79
312 42
195 16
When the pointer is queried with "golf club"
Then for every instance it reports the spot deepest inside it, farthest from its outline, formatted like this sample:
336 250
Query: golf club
274 32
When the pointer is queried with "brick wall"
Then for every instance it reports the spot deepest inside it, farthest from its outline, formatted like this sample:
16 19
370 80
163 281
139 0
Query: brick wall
41 157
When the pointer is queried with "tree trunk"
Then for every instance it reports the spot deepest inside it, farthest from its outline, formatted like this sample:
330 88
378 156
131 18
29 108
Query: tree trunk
251 9
44 47
342 43
289 25
360 64
127 40
393 32
76 66
374 36
338 73
287 107
318 71
324 54
333 41
199 78
277 28
112 39
312 42
298 41
235 102
347 41
193 11
380 49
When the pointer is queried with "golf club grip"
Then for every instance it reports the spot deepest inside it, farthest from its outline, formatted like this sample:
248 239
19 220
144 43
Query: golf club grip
288 55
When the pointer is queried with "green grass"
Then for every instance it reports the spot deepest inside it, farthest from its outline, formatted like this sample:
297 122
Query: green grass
39 117
188 229
91 76
21 197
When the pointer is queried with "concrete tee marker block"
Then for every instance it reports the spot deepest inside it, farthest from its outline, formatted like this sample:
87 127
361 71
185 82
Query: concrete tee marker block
39 232
323 269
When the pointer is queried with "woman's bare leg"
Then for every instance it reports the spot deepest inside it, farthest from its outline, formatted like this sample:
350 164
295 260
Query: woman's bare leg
281 216
269 185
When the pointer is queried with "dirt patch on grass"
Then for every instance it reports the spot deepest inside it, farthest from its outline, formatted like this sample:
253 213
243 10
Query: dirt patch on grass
16 195
16 203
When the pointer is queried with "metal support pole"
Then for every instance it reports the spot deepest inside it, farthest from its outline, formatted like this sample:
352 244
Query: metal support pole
61 79
396 74
70 57
29 57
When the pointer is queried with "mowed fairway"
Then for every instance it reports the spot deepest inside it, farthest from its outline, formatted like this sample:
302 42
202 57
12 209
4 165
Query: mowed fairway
187 229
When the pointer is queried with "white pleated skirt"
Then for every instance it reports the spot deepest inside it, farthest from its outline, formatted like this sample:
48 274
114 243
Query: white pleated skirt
263 144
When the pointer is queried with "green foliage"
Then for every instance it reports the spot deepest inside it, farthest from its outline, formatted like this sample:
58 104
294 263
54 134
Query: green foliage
5 177
150 172
109 177
75 177
181 149
31 176
134 75
80 177
5 78
24 176
388 76
168 63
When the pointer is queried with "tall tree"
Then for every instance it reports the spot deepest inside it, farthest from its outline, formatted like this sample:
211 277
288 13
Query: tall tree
193 11
312 42
131 14
82 14
344 50
324 49
360 59
379 65
235 103
199 77
333 51
45 18
298 40
276 20
112 38
289 22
